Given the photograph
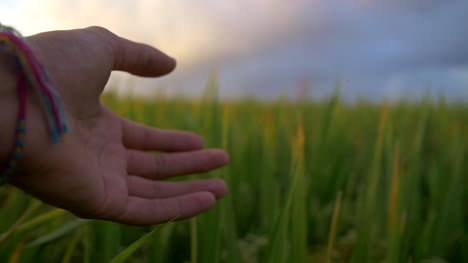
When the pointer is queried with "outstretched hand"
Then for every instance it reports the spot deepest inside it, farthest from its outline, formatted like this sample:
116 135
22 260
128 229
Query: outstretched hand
104 169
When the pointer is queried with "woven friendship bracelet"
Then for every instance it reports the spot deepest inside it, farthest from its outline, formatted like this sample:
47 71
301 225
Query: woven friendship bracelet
20 132
31 74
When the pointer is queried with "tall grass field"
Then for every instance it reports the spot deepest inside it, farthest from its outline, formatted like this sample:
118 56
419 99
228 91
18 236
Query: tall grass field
308 182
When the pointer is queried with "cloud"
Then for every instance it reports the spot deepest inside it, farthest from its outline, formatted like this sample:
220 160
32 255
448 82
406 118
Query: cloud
195 31
379 49
265 46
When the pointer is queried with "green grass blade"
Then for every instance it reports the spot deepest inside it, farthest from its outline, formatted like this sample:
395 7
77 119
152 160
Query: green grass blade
194 240
35 222
333 228
34 206
128 252
58 233
71 248
107 239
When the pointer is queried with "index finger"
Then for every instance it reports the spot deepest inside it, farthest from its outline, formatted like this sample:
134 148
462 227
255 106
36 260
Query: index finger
139 137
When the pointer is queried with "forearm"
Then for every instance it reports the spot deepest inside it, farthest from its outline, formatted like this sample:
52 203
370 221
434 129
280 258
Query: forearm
8 105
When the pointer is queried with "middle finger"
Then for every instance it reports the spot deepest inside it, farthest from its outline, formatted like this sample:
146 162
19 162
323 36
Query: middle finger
162 166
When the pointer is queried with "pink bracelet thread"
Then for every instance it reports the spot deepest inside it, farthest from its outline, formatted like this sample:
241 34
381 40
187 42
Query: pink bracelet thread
29 69
20 133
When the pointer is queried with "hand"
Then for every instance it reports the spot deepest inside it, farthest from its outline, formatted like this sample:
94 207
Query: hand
103 168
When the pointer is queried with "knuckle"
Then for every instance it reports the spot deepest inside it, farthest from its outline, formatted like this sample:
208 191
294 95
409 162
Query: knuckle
159 162
156 190
146 135
179 210
100 30
109 39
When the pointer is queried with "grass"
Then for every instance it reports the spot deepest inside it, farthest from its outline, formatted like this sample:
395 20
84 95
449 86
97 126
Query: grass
309 182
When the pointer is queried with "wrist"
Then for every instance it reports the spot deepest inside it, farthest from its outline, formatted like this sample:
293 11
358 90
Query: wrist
8 105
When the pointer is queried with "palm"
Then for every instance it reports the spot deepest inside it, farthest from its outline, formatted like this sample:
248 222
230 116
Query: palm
104 169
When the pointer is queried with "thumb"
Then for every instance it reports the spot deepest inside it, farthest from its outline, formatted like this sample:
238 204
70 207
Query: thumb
136 58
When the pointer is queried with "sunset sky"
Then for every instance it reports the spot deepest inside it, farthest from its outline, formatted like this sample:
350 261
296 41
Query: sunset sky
378 49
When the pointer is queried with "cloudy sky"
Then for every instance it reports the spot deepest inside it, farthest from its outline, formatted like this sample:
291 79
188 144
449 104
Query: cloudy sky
376 48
